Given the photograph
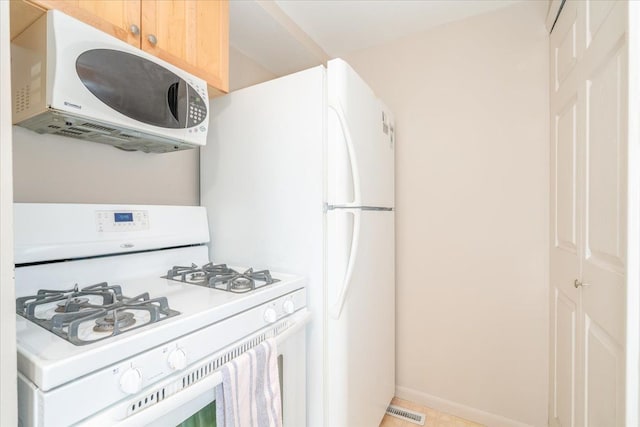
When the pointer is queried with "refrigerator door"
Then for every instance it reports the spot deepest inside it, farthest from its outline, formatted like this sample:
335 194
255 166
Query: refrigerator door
262 181
361 316
360 143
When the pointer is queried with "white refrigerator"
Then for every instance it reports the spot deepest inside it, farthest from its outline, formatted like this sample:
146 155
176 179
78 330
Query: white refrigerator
298 176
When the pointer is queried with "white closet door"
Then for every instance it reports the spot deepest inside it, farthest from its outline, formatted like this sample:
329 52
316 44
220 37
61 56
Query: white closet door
588 101
604 90
566 216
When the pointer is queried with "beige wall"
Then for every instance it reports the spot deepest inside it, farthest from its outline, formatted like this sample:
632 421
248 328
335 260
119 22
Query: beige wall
244 71
470 100
49 168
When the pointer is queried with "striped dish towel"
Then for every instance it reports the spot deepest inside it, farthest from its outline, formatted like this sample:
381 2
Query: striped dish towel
249 395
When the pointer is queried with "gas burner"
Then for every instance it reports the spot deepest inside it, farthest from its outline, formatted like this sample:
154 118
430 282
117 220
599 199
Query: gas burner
198 276
219 276
75 314
114 321
241 284
72 305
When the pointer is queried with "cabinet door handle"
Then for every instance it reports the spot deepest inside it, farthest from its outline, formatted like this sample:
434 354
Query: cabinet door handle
152 39
577 283
134 29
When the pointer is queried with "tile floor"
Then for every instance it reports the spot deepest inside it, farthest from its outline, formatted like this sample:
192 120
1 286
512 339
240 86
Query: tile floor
434 418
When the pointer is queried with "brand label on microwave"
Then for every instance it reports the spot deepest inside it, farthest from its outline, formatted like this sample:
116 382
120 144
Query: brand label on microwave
72 105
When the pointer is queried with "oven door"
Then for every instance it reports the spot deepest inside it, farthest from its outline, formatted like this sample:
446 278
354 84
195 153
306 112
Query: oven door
194 406
291 364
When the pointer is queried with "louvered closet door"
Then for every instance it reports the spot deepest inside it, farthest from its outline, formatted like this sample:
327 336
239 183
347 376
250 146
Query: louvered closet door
588 205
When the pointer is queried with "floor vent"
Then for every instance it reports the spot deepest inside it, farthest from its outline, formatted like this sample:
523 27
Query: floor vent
406 414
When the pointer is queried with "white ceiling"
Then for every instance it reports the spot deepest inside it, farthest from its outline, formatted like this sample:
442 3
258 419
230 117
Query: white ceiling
289 35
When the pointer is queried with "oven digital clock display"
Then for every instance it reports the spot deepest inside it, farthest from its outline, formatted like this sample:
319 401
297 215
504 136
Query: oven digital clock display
123 216
121 221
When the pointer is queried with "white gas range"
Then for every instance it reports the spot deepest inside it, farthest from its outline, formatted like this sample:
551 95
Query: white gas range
109 332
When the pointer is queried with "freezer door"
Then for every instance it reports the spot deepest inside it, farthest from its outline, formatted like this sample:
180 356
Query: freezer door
360 141
360 370
262 178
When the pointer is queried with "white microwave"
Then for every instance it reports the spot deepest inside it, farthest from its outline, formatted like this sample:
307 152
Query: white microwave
71 79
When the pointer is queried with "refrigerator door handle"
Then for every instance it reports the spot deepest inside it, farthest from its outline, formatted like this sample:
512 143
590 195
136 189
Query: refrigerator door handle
328 207
335 106
336 309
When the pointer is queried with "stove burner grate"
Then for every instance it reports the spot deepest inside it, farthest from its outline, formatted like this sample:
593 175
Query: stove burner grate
219 276
110 312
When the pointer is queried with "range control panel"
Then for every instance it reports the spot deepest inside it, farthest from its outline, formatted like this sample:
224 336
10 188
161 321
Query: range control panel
110 221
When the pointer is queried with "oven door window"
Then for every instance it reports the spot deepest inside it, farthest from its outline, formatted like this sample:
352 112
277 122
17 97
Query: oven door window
206 417
136 87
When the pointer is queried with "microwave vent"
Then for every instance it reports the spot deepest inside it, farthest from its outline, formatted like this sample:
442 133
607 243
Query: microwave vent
77 129
68 132
22 98
98 127
62 123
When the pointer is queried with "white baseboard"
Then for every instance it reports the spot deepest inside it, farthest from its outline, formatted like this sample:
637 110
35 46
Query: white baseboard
456 409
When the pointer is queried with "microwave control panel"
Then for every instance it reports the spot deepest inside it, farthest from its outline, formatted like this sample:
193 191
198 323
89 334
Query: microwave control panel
197 111
197 107
115 221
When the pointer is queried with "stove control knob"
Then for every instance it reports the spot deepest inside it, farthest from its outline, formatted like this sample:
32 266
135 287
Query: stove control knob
288 306
270 315
177 359
131 381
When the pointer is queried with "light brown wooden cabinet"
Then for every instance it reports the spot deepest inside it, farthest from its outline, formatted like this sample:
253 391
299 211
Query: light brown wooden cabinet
191 34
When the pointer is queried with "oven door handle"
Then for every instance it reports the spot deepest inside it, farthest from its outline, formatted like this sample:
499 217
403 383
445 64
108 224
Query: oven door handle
153 413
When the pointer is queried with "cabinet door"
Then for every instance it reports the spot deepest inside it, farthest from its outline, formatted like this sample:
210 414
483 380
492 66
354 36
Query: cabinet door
193 35
114 17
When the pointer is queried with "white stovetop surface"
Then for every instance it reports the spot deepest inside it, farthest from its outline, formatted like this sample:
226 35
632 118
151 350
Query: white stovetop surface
49 361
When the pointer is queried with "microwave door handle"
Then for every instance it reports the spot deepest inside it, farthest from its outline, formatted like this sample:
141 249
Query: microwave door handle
172 99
